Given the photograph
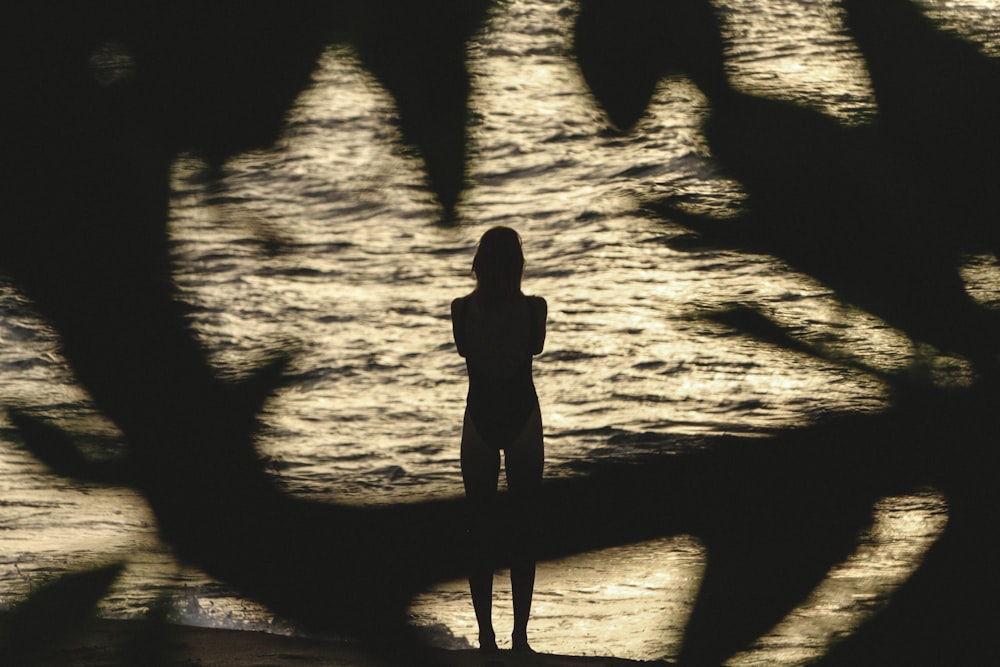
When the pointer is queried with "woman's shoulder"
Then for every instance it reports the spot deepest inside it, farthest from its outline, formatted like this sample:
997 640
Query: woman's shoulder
538 309
459 304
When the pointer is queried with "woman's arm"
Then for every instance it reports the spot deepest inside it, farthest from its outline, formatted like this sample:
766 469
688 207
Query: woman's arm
458 323
540 312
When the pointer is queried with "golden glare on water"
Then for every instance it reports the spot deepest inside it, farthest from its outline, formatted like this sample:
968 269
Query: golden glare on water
628 602
806 59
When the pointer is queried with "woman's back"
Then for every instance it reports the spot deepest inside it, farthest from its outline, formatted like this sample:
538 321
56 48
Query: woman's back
499 340
498 344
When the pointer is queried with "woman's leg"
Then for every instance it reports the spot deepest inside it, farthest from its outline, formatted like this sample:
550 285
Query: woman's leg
524 460
480 474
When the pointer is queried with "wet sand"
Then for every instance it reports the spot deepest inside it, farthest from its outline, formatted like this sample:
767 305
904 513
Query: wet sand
107 643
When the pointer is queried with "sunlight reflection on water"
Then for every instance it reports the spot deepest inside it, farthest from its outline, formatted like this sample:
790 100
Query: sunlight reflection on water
630 602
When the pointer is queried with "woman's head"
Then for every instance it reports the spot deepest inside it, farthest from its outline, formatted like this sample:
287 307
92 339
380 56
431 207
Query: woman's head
498 265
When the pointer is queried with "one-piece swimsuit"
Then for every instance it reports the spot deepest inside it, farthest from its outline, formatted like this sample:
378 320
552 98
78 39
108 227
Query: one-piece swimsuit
500 406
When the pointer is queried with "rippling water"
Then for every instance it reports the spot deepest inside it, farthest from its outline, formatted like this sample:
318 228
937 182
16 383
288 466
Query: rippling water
359 289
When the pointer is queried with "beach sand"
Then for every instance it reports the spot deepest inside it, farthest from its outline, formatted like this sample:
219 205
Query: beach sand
108 643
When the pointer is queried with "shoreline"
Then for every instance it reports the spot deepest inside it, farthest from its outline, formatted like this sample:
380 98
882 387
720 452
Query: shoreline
113 643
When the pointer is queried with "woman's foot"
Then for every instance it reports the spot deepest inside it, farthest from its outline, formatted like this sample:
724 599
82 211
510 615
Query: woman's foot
488 642
519 642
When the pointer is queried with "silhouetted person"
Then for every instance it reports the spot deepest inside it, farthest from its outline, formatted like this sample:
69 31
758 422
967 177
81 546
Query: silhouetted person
498 329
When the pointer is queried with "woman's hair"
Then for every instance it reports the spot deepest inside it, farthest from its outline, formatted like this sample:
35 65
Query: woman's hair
498 266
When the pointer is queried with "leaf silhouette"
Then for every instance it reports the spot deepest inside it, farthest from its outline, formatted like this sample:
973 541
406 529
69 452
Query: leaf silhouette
55 611
418 51
938 103
838 203
53 447
845 205
626 47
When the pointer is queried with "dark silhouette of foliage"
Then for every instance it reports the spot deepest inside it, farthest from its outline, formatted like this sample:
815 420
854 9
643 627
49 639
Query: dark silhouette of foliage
883 215
44 629
53 613
833 201
626 47
418 51
83 233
